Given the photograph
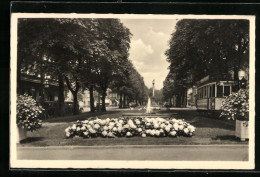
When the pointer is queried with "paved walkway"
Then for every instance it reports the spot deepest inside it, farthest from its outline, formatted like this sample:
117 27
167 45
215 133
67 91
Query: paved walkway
166 152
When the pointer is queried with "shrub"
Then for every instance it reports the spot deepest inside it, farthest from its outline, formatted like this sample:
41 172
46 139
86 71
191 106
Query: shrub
28 113
236 106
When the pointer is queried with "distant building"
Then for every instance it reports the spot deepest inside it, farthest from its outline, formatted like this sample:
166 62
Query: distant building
31 85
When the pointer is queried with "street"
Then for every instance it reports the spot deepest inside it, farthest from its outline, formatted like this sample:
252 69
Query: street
137 152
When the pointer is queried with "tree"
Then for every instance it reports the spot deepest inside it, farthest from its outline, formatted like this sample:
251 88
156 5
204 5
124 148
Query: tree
34 38
60 43
201 47
111 53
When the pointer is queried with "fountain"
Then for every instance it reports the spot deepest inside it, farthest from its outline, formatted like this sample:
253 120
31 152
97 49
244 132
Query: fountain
148 107
151 104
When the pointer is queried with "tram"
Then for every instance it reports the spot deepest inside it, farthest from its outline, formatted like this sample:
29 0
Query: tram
211 92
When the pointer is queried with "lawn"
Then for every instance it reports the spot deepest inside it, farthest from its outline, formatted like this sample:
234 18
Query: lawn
208 131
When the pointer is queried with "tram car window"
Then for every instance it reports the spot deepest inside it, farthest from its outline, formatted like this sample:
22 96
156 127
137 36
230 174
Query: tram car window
226 90
219 91
211 93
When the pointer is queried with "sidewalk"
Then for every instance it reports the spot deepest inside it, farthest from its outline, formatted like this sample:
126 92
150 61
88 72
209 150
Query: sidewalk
137 152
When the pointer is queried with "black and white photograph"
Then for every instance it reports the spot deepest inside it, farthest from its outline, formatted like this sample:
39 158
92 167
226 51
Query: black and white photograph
133 91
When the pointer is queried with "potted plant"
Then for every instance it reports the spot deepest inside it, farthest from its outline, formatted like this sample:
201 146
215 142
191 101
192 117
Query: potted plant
28 116
236 107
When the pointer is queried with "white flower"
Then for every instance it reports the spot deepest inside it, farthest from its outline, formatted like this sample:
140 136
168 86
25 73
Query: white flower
110 134
86 133
170 125
137 122
105 128
110 127
143 135
128 134
147 119
167 128
148 124
111 124
160 119
104 133
186 130
114 129
156 126
78 129
191 128
181 127
175 126
121 121
67 129
173 133
83 128
92 131
129 121
139 130
119 129
96 126
73 127
67 134
162 125
119 124
103 122
85 121
152 132
157 132
126 126
174 120
132 126
148 131
161 131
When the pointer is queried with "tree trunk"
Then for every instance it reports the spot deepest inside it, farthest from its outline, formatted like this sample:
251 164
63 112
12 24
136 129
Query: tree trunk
103 108
236 87
61 105
75 109
124 102
120 101
75 104
19 61
91 97
42 86
98 105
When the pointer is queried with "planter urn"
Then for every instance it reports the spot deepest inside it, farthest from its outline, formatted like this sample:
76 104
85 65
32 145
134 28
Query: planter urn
242 130
21 133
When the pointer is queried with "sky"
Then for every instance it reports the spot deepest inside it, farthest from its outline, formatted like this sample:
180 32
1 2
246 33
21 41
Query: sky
148 45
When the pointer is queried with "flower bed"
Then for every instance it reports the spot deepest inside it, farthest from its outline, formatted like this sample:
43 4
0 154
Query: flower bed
120 127
28 113
236 106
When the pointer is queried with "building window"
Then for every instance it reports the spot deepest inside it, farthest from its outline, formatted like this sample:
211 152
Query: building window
226 90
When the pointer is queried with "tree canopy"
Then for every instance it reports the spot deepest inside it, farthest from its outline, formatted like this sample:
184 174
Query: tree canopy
199 48
83 53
